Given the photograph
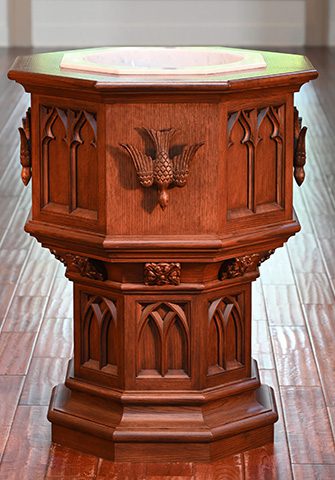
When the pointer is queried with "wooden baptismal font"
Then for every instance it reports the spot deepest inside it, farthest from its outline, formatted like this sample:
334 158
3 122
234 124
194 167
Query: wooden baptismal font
162 195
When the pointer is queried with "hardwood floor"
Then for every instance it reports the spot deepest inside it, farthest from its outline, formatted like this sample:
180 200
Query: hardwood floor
293 329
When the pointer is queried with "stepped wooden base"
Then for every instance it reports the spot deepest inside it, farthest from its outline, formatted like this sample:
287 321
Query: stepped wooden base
198 430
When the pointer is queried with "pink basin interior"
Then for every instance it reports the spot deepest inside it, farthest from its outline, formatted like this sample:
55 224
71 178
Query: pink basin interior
162 60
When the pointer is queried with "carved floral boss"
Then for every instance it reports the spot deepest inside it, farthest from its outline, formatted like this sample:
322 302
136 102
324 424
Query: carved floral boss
162 171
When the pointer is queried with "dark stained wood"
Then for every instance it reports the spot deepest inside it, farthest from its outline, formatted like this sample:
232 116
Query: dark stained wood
315 288
26 455
51 328
294 358
321 320
282 301
25 314
66 464
162 354
283 306
16 348
276 455
261 345
314 472
305 437
10 390
44 68
43 374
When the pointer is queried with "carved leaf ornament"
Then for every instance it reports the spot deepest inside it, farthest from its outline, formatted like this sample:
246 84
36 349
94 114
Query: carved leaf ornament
162 273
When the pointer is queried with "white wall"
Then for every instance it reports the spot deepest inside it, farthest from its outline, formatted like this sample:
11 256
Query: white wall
122 22
63 23
331 33
3 24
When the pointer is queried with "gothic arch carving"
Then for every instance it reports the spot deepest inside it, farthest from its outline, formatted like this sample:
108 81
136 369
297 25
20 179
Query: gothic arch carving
225 335
163 326
244 148
99 334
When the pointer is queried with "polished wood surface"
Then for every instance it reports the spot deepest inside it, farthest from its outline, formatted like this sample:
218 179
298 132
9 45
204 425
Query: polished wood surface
162 364
295 294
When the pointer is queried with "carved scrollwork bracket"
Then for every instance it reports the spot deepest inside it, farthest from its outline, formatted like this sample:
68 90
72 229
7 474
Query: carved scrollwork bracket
236 267
299 148
162 171
162 273
25 148
86 267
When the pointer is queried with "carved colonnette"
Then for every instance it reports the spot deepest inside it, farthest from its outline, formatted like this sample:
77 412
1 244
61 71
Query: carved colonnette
162 366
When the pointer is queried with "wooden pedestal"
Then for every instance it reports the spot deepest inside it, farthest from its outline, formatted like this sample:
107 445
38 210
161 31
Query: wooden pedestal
162 197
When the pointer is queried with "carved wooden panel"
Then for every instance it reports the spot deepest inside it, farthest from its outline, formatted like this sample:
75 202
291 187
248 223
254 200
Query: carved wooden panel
99 334
255 170
69 161
198 197
163 340
225 334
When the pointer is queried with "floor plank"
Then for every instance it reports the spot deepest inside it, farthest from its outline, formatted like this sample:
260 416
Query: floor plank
16 349
294 357
27 451
307 425
314 472
10 390
321 323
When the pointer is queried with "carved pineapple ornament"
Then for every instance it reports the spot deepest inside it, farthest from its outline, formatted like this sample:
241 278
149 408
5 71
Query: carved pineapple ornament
162 171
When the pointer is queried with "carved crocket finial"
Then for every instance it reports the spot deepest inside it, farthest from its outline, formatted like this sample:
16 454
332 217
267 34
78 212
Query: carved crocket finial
299 149
25 148
162 171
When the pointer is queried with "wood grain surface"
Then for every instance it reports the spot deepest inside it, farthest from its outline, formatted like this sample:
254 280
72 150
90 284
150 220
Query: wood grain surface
293 305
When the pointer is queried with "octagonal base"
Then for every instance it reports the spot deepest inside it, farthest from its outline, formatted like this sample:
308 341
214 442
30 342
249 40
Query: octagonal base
197 431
